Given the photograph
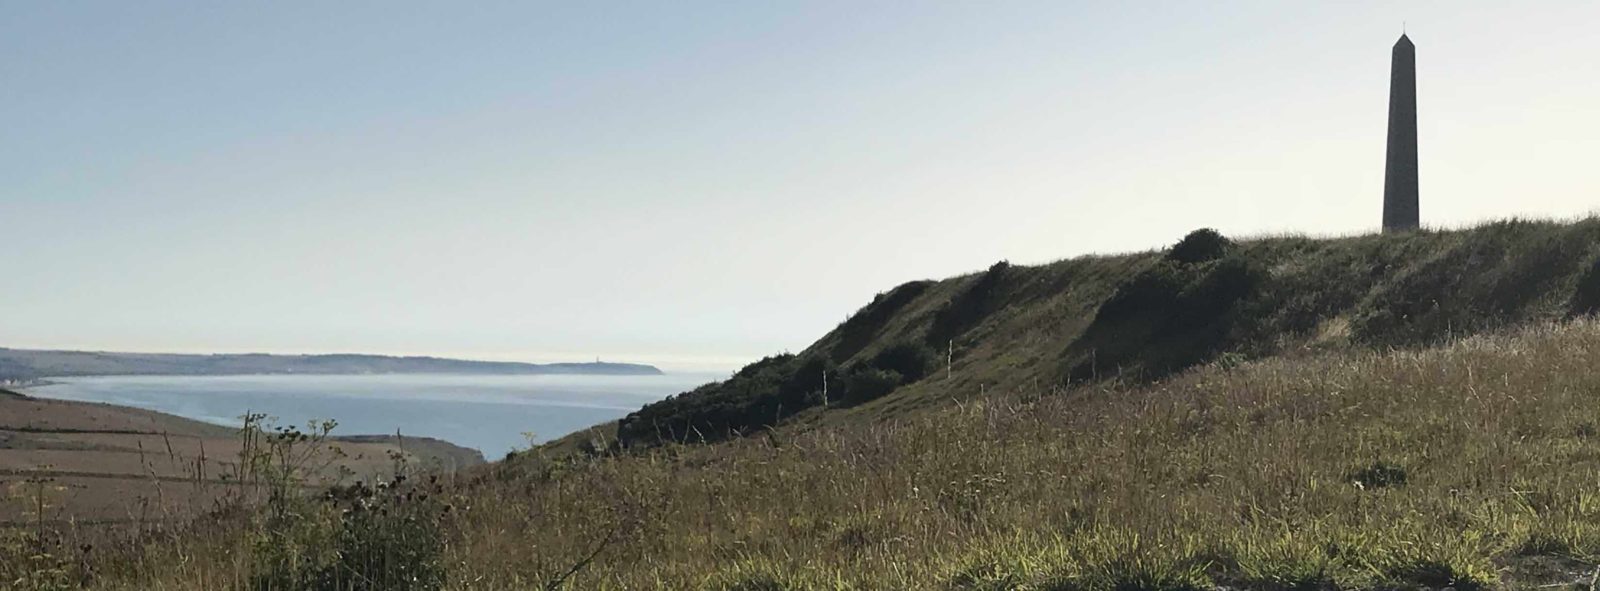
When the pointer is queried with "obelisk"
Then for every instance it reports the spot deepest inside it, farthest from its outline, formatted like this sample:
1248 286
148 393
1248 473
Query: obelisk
1400 174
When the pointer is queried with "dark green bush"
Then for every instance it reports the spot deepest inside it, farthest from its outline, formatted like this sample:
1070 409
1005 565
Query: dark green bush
355 538
1200 246
969 307
389 538
1167 318
861 328
1586 299
1155 289
1534 267
1216 292
868 383
804 387
1505 274
758 395
911 360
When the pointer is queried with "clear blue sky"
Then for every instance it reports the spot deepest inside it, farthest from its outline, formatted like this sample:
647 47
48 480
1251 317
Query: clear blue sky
697 184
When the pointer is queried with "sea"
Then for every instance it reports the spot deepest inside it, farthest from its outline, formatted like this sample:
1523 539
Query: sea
494 414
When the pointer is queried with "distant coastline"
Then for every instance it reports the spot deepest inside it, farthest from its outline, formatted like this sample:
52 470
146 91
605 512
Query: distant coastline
32 367
19 382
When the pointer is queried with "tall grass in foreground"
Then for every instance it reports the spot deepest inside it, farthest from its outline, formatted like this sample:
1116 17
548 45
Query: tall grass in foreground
1472 465
269 531
1443 467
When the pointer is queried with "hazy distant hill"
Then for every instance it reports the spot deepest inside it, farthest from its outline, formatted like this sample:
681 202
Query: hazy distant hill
26 364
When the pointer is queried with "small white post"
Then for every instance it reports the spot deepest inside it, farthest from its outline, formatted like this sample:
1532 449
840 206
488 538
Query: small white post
824 387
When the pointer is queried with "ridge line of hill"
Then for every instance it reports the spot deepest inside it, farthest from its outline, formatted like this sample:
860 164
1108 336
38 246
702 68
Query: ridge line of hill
1140 317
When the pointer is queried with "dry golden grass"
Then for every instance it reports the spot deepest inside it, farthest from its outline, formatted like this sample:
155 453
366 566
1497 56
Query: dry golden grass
1454 466
1473 464
108 463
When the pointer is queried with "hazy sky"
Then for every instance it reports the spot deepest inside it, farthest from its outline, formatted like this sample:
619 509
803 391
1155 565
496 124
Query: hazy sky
699 184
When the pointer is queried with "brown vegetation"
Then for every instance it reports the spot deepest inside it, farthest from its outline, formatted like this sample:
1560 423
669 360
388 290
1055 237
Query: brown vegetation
111 464
1380 412
1473 464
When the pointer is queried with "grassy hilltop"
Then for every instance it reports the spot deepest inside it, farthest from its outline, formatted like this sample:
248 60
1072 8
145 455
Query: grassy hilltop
1469 465
1377 412
1140 317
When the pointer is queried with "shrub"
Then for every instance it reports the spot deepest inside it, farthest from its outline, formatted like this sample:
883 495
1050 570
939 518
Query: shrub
1586 299
1200 246
1153 289
1504 273
292 544
356 538
969 307
1533 267
1167 318
389 538
866 383
1228 282
861 328
767 391
911 360
804 386
292 535
760 394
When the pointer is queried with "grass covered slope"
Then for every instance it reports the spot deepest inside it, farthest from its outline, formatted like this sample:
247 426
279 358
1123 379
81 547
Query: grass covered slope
1379 412
1143 316
1472 464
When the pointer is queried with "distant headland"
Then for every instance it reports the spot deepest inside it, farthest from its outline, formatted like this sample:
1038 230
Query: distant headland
26 365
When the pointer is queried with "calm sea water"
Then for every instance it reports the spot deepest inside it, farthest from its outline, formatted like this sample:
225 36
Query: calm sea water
489 413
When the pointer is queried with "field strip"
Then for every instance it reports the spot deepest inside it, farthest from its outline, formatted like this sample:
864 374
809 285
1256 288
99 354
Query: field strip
109 476
89 431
